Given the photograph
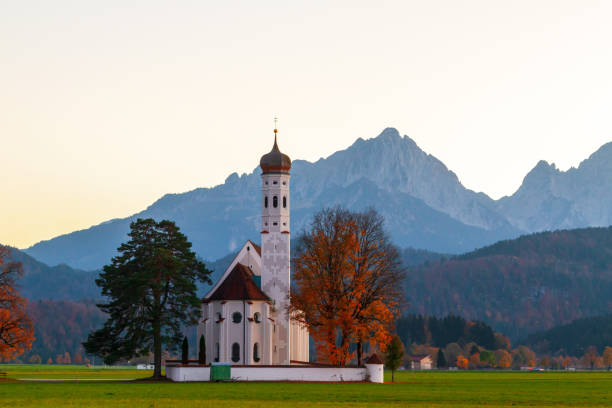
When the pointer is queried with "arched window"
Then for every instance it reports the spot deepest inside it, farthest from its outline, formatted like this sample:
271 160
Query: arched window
217 352
284 202
256 352
275 201
266 201
235 352
218 317
257 317
236 317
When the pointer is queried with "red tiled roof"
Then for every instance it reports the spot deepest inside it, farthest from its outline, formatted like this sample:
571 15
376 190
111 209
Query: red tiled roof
374 359
238 285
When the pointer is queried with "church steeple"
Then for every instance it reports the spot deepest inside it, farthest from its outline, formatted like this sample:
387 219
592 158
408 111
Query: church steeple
276 243
275 161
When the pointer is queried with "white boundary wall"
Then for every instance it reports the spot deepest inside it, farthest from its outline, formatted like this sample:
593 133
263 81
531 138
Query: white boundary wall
373 373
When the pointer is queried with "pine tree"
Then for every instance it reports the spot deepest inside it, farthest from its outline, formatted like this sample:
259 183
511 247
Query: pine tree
202 352
185 351
394 355
441 363
151 292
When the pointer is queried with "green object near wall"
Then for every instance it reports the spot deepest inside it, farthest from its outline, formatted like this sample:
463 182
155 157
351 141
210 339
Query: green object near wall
220 372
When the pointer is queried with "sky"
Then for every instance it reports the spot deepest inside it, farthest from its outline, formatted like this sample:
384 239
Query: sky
107 106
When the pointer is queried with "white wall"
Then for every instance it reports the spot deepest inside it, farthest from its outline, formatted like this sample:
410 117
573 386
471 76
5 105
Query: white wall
180 373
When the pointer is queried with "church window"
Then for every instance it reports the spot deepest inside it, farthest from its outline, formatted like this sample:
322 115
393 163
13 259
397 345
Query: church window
256 352
217 352
266 201
275 182
275 201
284 183
275 223
218 317
257 317
237 317
235 352
284 202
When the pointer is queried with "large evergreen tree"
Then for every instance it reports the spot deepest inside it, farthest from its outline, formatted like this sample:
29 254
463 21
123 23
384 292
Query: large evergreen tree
151 292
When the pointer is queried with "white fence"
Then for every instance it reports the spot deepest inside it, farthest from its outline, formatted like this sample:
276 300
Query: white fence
372 372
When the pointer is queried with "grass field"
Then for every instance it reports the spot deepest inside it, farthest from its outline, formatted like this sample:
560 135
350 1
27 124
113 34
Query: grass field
414 389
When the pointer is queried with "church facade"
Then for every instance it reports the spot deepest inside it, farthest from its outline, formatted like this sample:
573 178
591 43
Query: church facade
244 315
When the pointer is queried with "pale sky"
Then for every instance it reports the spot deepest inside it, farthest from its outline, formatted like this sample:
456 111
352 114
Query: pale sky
106 106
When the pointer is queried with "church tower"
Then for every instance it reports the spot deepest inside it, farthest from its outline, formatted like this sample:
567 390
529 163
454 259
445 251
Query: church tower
275 246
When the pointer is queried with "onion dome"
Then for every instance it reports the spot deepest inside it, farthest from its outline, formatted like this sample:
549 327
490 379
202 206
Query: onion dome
275 161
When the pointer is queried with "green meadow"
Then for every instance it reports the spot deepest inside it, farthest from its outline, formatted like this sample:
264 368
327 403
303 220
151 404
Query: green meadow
412 389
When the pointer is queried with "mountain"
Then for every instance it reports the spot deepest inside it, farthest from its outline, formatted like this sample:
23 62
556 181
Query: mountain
523 285
423 202
550 199
61 282
574 338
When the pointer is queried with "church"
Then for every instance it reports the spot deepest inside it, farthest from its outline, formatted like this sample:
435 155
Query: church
244 315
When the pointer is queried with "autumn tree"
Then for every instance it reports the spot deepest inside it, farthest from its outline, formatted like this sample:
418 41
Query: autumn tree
590 356
394 355
347 283
16 328
67 359
503 359
462 362
35 359
607 357
151 292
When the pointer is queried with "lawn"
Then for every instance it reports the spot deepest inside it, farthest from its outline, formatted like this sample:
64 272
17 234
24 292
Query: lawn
415 389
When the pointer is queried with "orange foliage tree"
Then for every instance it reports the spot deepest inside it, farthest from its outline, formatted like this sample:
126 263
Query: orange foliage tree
16 329
462 362
347 283
503 358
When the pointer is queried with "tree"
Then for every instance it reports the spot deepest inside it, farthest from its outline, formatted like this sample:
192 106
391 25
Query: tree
59 359
49 360
590 356
202 351
78 359
475 360
487 358
151 287
347 283
441 363
462 362
503 359
16 329
607 357
185 351
35 359
394 355
67 359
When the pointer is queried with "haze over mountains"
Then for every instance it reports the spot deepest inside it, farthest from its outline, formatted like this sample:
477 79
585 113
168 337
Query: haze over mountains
424 203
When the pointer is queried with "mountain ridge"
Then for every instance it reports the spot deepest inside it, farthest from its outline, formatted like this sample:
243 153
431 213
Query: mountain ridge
424 194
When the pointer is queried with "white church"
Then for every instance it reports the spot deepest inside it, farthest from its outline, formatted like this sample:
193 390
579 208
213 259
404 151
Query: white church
244 315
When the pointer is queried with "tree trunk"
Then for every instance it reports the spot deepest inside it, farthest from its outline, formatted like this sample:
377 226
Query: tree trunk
359 352
392 376
157 349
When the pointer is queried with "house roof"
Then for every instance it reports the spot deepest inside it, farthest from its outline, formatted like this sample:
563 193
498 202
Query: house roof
238 285
418 357
374 359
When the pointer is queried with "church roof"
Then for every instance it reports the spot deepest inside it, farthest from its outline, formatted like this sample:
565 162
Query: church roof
238 285
275 161
257 247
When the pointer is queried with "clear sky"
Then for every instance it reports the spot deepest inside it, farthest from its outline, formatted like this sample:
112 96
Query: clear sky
106 106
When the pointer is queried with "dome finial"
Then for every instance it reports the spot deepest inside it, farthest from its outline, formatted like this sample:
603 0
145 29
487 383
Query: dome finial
275 126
